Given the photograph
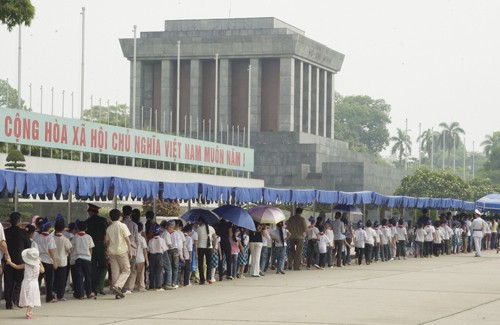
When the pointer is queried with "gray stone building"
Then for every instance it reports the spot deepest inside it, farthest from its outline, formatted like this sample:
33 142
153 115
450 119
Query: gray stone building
260 72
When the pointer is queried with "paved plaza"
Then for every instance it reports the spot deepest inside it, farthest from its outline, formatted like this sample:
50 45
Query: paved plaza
446 290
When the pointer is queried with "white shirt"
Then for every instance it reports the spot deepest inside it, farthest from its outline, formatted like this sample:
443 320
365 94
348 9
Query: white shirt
359 238
429 232
439 236
45 243
322 243
379 234
63 245
203 236
386 235
478 225
2 238
329 235
140 250
167 237
312 233
448 232
370 236
178 240
81 248
400 233
157 245
277 237
188 247
420 235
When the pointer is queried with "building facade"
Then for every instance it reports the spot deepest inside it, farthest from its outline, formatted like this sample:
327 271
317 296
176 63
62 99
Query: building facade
221 75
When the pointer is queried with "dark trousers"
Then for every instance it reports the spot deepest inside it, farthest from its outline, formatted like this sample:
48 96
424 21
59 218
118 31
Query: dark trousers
359 254
99 267
48 276
60 276
204 256
427 248
384 253
329 256
296 245
376 252
12 281
401 248
368 253
338 251
312 252
186 270
155 268
225 248
322 259
82 279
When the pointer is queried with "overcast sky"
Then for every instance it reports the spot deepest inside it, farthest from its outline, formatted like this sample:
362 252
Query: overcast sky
433 61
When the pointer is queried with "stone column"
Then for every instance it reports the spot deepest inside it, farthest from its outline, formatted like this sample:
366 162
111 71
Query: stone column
147 96
317 115
166 96
325 101
287 94
255 91
332 107
309 94
138 94
195 95
224 93
301 99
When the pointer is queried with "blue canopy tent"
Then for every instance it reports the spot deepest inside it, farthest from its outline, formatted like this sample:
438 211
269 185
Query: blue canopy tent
490 202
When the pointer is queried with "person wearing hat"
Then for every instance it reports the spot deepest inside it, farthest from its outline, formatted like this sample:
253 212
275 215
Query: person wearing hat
156 247
17 240
296 226
119 251
47 249
478 227
29 295
360 238
96 228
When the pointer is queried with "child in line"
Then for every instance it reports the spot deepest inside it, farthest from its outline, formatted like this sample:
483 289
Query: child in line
401 236
323 243
419 240
141 262
236 248
243 255
216 258
157 249
30 291
63 250
359 242
81 257
188 254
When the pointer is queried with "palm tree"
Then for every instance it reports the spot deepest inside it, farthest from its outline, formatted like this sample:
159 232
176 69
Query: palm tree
451 134
402 145
426 141
490 142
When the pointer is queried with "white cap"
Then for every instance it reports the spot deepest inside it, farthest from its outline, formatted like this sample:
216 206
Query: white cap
477 212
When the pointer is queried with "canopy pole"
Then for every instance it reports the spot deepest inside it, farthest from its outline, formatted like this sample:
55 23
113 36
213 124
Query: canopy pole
70 201
115 202
16 199
154 206
314 209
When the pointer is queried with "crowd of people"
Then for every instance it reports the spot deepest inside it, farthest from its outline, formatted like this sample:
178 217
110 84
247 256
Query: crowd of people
132 256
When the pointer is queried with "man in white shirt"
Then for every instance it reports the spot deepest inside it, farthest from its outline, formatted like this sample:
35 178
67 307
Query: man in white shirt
119 251
478 227
338 228
134 243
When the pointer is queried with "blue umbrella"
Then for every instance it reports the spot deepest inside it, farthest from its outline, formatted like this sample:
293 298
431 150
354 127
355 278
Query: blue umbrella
351 209
193 214
236 215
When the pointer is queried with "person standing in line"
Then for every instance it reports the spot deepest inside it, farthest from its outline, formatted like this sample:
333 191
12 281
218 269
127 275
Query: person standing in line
280 235
157 248
255 247
378 241
348 236
323 243
402 237
448 234
264 255
47 250
338 228
312 233
430 235
419 240
224 230
296 226
359 242
96 228
141 262
166 264
205 248
371 237
63 249
119 251
478 227
16 240
385 238
134 244
329 248
81 261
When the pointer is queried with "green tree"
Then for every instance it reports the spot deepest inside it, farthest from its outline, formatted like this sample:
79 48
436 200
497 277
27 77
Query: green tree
16 12
427 140
15 160
8 95
439 184
402 145
450 136
113 115
362 122
491 141
166 208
